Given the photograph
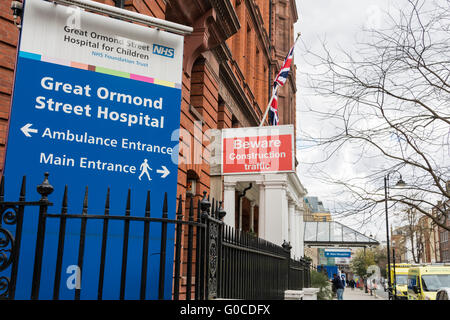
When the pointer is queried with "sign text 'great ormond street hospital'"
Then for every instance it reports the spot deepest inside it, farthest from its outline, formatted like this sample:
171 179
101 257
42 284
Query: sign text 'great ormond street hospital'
96 103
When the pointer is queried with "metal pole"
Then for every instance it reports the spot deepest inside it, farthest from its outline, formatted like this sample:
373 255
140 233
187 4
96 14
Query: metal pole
395 274
120 13
364 279
267 111
386 181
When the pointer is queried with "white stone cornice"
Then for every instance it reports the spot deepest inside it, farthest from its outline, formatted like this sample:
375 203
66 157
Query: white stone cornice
275 184
296 184
229 185
291 202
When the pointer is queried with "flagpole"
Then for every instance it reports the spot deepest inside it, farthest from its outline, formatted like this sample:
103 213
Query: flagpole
271 98
267 110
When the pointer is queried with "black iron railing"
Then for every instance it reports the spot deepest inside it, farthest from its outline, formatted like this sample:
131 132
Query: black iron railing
12 217
211 260
253 268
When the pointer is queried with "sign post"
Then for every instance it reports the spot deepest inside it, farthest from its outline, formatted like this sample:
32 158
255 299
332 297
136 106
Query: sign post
96 101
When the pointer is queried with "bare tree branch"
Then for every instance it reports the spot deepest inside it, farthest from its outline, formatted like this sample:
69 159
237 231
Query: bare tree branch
392 101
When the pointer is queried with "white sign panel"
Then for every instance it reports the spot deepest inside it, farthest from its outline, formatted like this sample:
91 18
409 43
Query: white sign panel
72 35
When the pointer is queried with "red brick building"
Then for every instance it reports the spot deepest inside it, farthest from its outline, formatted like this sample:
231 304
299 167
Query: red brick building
230 61
229 64
442 211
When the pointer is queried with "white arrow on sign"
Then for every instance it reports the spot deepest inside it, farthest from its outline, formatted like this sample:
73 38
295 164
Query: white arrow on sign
165 172
26 130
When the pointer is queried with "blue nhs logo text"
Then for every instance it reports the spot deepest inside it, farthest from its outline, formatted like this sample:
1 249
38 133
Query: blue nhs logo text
163 51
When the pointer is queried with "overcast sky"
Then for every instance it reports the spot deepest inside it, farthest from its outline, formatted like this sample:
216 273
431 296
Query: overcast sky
339 22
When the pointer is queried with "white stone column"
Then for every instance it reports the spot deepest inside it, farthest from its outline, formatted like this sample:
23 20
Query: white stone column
296 244
262 211
252 216
240 213
301 231
229 203
275 211
291 224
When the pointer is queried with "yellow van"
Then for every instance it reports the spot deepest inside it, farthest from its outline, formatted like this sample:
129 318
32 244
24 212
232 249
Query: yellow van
400 290
424 281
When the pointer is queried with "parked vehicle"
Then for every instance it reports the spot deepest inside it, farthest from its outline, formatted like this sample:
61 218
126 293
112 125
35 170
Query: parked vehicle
424 281
443 294
400 282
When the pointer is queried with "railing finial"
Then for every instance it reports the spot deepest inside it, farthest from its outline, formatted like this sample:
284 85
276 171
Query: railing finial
205 204
222 213
45 188
286 245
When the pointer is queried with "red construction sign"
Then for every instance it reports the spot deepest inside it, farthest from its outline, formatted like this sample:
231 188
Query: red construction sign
258 150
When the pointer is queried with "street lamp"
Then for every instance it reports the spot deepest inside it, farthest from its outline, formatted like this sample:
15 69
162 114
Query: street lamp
395 275
400 183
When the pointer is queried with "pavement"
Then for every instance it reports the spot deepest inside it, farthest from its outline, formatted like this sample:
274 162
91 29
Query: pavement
358 294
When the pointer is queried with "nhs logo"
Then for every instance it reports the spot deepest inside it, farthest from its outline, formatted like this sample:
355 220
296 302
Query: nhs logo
163 51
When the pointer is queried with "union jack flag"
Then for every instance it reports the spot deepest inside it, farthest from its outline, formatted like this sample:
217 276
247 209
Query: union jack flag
284 71
280 80
273 109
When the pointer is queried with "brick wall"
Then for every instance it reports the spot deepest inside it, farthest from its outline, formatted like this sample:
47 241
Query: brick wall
200 112
9 34
154 8
250 56
250 53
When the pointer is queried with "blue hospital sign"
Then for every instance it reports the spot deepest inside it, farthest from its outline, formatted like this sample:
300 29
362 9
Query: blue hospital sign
94 106
338 253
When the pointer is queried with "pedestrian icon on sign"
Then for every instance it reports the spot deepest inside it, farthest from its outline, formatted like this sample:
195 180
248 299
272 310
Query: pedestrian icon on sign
144 169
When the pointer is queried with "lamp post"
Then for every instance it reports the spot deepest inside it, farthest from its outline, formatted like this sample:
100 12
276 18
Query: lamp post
395 275
386 185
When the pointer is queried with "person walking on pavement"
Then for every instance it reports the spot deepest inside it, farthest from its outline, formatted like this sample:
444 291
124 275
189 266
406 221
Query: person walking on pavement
339 285
352 284
366 285
374 287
